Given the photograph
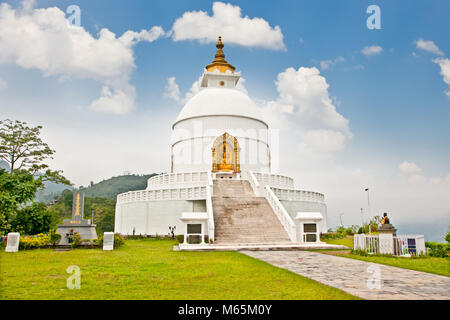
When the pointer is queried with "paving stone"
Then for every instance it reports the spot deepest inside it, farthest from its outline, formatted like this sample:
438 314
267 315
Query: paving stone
353 275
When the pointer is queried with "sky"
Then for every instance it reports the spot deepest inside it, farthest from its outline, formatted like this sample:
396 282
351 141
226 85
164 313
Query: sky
356 107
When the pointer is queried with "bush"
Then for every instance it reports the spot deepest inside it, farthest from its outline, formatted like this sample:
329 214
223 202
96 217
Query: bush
180 238
447 237
55 238
76 240
99 241
331 235
33 242
360 252
439 250
118 240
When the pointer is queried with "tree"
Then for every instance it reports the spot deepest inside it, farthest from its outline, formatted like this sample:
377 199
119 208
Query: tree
16 189
21 146
32 219
25 152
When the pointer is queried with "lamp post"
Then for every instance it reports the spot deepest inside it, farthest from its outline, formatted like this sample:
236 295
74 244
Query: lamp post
362 219
340 218
368 206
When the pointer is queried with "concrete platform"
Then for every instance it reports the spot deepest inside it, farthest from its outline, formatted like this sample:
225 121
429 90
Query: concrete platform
257 247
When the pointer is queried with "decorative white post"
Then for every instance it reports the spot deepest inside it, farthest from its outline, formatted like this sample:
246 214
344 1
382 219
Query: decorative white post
108 241
12 244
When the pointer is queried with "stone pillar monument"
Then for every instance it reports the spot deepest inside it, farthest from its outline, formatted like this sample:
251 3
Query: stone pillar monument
77 223
386 238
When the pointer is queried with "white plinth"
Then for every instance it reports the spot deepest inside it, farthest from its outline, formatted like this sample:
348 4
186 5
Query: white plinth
108 241
12 245
386 243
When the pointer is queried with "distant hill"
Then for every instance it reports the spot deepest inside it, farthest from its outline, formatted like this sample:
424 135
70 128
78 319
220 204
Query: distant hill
51 191
110 188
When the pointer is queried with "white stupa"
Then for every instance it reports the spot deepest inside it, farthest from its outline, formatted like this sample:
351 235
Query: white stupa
220 189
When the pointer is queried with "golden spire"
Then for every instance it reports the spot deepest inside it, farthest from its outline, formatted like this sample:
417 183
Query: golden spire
219 62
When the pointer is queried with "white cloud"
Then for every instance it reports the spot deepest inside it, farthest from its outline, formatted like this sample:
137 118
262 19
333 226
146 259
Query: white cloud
305 108
409 167
117 101
58 48
324 65
444 63
172 89
429 46
227 21
371 50
417 178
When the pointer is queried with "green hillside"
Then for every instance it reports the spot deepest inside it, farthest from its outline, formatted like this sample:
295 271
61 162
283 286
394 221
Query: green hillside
111 187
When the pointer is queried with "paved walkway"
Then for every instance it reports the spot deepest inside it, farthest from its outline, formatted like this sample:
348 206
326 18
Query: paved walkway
363 279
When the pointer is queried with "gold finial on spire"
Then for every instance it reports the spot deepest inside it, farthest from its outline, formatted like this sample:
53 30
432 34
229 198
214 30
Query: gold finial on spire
219 62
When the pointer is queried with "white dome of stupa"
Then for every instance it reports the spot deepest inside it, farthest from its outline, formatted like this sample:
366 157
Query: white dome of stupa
219 102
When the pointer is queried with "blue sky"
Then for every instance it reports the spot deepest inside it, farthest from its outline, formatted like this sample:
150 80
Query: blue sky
394 101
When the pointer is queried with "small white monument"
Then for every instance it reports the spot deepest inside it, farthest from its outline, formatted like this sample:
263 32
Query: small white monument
12 245
386 237
108 241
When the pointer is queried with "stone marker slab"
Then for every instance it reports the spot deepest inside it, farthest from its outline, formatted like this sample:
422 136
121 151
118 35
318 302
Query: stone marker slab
12 244
108 241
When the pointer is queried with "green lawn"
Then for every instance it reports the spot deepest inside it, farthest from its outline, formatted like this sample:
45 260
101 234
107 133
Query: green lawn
149 269
426 264
347 241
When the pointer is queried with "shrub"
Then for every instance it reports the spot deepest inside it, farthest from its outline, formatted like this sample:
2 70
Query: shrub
99 241
439 250
118 240
37 241
55 238
76 240
331 235
180 238
447 236
360 252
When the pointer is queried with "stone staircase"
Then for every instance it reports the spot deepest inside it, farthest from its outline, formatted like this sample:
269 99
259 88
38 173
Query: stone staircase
63 247
241 218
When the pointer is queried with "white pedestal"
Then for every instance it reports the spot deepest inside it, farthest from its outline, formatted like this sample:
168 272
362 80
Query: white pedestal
108 241
12 244
386 243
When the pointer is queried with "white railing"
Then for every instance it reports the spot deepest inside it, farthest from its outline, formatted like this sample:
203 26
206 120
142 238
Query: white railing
255 184
274 180
402 244
182 179
188 193
281 213
209 208
367 243
298 195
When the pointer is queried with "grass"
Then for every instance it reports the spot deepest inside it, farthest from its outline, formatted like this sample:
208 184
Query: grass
149 269
347 241
428 264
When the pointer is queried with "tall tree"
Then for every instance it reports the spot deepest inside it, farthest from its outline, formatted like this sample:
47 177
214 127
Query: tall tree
25 152
21 146
23 149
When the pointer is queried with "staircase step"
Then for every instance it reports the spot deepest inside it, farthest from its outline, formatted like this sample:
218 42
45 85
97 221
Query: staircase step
242 218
